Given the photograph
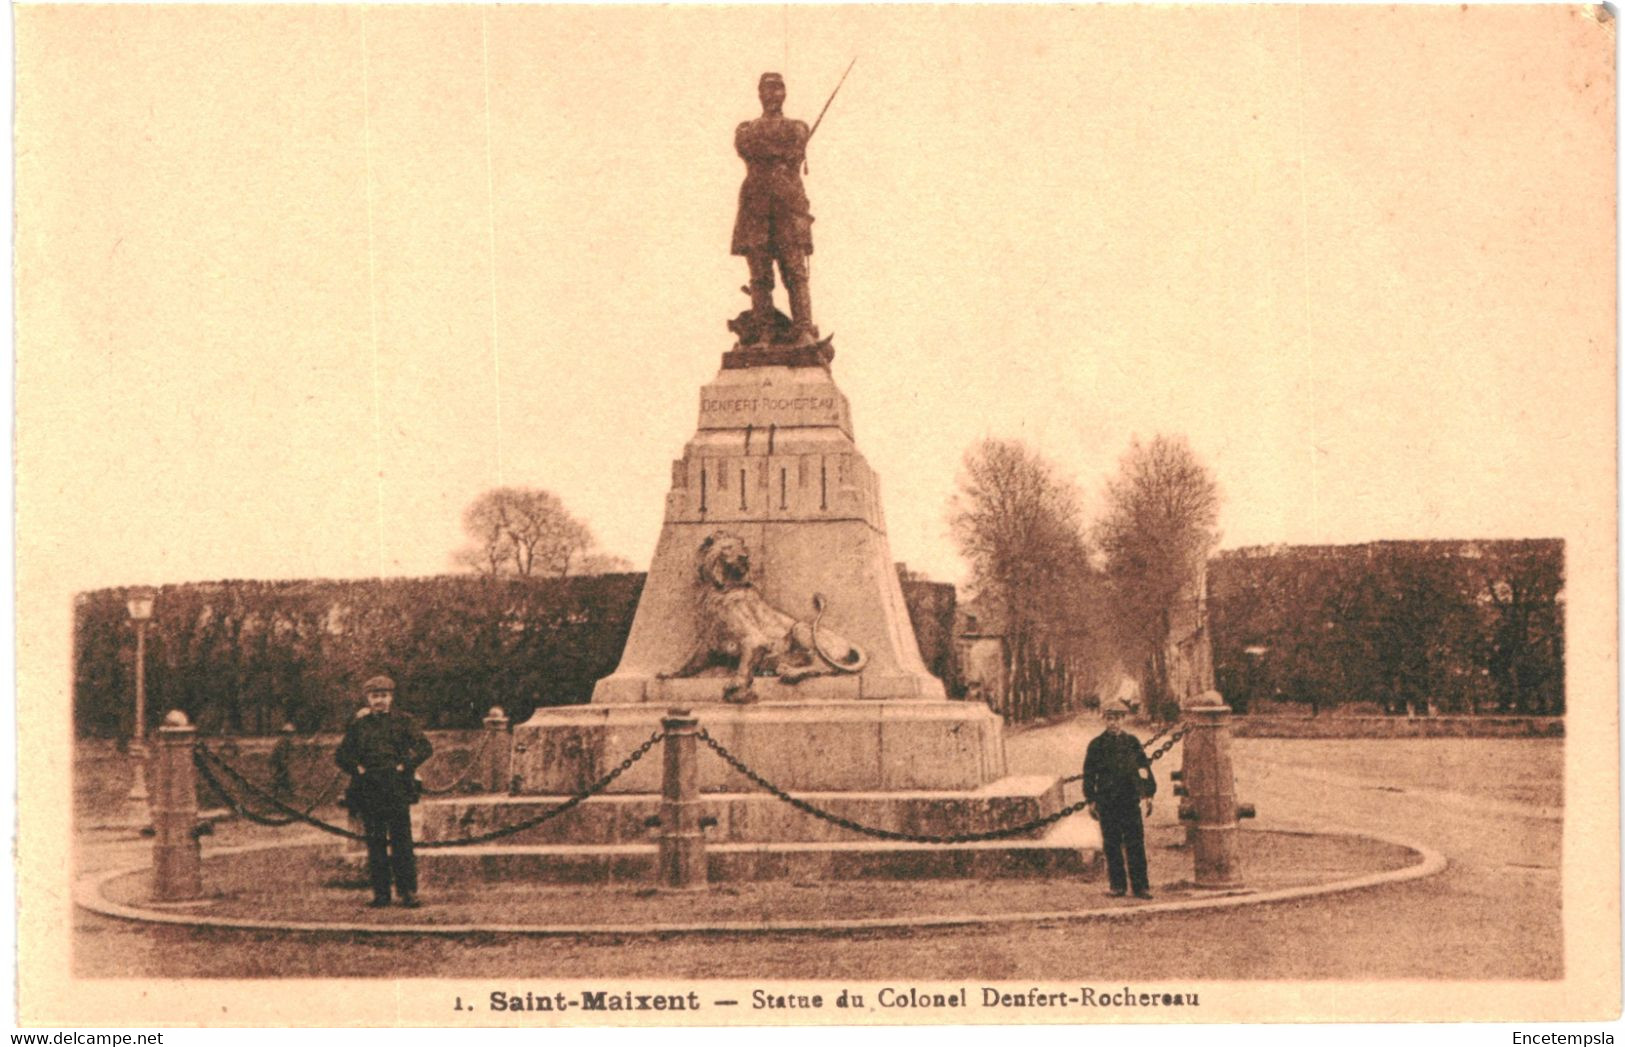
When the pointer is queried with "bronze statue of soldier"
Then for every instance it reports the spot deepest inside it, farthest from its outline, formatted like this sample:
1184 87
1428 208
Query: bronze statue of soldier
774 224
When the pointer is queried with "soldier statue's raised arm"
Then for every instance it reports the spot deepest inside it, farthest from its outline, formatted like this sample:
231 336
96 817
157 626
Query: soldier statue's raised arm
774 224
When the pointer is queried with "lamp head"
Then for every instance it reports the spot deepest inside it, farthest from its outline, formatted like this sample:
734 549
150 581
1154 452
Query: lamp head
139 601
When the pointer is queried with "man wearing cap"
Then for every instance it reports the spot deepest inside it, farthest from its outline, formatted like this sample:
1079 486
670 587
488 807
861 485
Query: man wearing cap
773 223
1116 778
381 752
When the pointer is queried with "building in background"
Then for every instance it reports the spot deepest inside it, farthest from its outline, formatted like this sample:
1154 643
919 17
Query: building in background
980 650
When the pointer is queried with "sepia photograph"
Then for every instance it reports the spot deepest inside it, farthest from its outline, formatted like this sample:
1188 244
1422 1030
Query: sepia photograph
544 516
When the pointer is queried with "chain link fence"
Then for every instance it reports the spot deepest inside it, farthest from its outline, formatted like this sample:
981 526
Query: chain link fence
208 764
213 769
891 834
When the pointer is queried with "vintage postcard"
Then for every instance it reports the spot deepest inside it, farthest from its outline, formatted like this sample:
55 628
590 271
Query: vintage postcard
808 515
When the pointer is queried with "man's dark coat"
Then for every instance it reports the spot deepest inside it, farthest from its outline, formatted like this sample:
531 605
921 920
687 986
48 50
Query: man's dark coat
1113 782
381 753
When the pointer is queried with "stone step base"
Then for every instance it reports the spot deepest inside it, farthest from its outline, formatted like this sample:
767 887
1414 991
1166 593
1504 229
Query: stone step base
803 745
753 817
870 860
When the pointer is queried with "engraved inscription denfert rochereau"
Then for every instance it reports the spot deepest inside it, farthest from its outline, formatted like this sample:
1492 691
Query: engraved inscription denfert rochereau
718 410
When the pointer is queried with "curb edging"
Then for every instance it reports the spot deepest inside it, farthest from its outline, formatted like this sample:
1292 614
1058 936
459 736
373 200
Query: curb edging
87 894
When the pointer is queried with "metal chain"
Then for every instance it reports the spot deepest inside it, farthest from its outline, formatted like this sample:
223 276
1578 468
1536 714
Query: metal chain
243 810
201 756
1165 729
1173 739
468 768
553 812
884 834
234 802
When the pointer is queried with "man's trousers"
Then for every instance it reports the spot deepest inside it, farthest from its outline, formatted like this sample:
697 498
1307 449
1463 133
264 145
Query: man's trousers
1122 833
389 849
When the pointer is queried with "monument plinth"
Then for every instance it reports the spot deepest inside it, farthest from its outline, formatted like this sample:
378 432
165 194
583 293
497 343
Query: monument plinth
773 467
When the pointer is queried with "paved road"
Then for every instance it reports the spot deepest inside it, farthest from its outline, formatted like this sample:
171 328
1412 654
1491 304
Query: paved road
1493 807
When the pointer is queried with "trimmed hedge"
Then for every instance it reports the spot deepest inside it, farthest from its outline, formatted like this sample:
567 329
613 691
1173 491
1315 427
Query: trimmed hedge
244 656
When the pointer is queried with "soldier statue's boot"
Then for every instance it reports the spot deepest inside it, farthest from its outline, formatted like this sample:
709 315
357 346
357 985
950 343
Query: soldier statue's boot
762 313
802 331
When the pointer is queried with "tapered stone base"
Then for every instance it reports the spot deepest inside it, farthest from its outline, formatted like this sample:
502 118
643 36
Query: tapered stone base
773 464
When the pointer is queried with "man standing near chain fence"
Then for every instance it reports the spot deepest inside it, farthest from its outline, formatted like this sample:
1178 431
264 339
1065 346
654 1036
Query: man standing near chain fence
1116 778
381 752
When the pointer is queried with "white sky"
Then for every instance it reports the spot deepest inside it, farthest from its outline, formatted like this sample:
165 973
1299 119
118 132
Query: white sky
296 284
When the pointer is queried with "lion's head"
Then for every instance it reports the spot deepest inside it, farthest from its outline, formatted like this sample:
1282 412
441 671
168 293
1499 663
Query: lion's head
724 561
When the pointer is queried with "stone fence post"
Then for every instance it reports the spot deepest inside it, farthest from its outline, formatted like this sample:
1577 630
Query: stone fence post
682 837
177 859
1209 781
498 749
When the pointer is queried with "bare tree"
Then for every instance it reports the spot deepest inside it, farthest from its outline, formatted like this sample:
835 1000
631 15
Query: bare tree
1018 524
490 550
1155 536
522 531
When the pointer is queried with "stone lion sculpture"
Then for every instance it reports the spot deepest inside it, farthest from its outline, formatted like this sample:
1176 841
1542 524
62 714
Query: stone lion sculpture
744 636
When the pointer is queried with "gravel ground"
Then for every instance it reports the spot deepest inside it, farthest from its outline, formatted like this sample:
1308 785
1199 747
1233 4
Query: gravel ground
1491 805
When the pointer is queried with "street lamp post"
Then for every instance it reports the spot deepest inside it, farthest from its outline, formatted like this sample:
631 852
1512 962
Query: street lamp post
140 605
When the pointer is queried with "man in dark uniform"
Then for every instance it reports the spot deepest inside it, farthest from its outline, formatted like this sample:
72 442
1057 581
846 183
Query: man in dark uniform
381 752
773 222
1116 777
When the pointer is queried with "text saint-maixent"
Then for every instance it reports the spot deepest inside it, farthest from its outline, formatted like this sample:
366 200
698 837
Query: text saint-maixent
589 1000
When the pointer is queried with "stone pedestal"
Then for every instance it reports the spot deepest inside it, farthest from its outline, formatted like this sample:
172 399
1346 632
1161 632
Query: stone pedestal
773 463
859 746
752 835
933 768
